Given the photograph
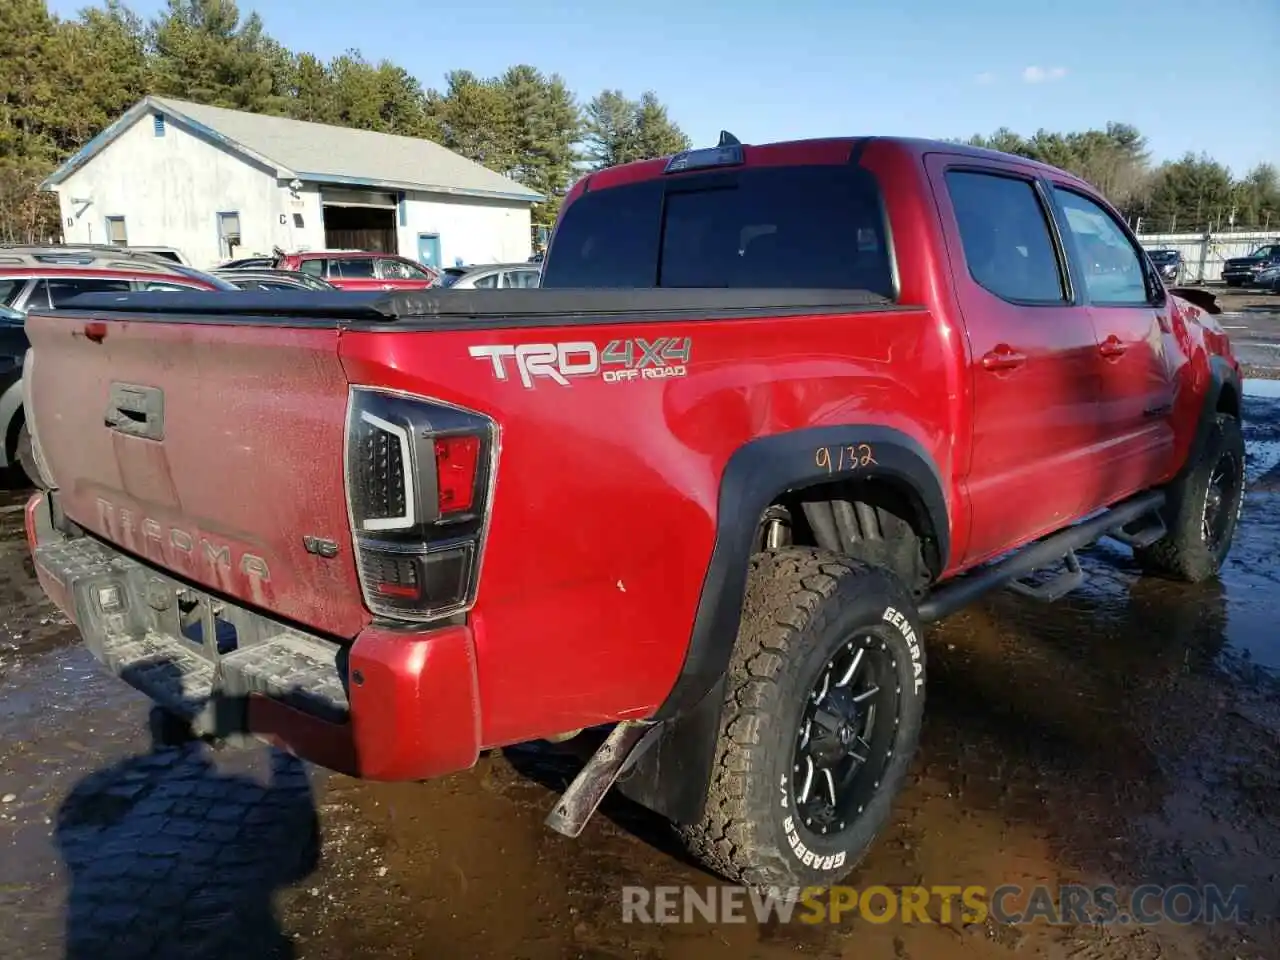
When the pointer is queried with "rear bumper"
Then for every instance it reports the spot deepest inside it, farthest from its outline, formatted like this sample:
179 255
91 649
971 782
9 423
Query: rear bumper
388 706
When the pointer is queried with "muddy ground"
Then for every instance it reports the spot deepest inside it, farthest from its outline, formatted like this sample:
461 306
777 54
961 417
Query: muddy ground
1128 734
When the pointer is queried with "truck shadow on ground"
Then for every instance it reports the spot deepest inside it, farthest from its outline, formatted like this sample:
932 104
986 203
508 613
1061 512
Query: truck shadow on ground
168 856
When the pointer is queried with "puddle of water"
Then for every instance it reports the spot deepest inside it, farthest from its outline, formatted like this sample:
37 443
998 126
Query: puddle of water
1262 456
1264 389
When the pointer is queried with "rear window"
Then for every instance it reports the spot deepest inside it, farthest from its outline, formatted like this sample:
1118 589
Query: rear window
817 227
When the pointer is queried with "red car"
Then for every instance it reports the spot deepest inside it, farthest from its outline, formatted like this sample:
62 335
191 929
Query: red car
360 270
772 410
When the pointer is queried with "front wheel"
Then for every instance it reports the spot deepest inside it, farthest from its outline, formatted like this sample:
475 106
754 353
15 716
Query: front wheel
821 718
1203 509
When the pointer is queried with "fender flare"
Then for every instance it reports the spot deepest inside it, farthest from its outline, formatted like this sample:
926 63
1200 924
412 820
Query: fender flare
1222 376
671 778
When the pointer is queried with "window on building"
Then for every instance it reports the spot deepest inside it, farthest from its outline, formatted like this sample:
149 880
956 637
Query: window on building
116 233
228 234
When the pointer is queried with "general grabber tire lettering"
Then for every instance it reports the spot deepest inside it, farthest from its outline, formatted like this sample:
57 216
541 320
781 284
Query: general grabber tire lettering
810 615
1203 509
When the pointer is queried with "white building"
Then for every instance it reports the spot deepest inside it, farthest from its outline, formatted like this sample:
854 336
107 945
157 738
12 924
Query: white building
219 183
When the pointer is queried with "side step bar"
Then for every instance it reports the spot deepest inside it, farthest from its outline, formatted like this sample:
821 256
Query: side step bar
962 591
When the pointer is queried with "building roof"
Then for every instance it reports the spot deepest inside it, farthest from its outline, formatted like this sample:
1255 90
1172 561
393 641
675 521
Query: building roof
318 152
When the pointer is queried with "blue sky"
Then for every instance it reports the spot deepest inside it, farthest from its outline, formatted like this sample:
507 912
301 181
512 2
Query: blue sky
1198 75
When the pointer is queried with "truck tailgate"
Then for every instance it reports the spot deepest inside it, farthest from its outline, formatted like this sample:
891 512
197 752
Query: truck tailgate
212 450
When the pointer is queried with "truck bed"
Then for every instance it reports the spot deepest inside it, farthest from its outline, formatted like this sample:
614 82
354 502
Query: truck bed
452 310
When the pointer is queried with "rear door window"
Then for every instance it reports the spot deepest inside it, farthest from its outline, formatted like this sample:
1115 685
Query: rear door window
56 292
352 268
819 227
313 267
488 282
1004 229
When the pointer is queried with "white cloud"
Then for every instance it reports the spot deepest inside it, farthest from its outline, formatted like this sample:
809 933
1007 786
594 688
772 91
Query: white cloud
1043 74
985 78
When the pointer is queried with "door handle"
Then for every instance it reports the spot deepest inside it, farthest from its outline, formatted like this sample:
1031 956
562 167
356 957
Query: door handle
1112 348
135 411
386 286
1003 358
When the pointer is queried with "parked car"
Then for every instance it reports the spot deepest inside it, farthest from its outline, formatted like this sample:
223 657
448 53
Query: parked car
248 263
165 253
361 270
247 278
1168 263
1268 279
451 275
503 276
1243 271
773 409
50 276
15 450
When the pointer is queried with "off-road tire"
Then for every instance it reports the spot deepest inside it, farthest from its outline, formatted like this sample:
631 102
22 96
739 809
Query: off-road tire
801 605
1182 552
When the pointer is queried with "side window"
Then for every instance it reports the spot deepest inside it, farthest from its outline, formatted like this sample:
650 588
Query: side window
520 279
354 268
10 287
1113 269
161 287
228 234
1005 233
61 290
488 282
314 267
116 233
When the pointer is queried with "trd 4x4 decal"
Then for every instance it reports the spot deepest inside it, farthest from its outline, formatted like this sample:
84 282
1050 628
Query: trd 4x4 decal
619 361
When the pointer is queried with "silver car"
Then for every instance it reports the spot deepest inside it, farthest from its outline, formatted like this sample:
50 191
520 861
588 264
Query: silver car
499 276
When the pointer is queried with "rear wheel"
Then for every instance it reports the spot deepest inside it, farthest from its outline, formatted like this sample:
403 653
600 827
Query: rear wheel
821 718
1203 509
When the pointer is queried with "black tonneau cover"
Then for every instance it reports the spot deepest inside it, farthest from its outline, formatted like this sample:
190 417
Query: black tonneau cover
445 308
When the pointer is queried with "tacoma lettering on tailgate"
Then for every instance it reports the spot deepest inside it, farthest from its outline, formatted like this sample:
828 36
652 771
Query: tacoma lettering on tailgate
618 361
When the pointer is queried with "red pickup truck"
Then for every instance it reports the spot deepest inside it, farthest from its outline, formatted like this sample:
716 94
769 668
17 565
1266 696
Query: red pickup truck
773 409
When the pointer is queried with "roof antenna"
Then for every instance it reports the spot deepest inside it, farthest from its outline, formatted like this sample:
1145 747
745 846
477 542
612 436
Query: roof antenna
727 139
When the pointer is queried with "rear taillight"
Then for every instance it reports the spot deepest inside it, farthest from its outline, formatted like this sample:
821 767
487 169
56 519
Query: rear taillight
419 475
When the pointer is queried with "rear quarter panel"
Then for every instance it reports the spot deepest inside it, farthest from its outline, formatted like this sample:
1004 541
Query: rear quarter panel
605 504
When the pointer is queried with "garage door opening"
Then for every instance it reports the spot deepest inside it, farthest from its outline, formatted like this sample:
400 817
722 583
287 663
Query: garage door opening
360 228
359 220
